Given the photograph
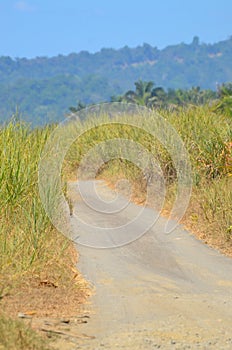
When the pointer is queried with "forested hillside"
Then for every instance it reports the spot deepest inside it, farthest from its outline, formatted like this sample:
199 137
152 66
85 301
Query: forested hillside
44 88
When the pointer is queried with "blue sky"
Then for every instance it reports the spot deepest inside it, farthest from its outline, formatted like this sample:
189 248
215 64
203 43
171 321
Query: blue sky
30 28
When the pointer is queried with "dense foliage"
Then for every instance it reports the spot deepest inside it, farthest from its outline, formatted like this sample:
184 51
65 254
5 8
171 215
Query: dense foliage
145 94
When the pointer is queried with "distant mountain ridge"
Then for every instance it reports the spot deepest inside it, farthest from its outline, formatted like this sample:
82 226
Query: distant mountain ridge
44 88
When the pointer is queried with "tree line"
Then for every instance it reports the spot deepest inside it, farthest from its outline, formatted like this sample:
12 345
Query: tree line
147 94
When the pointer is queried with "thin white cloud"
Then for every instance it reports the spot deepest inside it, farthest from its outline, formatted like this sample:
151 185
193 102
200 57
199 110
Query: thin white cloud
24 6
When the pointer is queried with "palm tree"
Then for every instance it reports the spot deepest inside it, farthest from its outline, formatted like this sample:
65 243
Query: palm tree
141 94
158 98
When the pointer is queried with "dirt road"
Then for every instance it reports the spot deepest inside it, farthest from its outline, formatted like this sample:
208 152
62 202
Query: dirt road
162 291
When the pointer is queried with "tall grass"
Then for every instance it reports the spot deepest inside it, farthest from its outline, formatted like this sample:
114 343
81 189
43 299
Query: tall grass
208 136
28 242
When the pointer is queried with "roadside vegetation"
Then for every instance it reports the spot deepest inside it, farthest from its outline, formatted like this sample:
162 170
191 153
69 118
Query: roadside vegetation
37 264
207 135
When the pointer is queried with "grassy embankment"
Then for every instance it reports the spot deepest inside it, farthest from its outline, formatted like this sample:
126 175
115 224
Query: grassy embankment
37 264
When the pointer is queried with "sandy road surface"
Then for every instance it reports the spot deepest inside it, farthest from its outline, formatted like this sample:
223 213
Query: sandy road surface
162 291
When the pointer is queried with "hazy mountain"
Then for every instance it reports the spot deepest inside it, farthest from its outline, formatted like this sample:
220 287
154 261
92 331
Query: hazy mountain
44 88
